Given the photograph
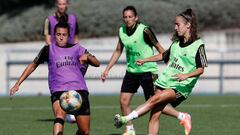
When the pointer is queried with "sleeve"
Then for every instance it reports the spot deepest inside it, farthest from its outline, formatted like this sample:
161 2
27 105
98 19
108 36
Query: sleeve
149 37
42 56
46 27
201 59
85 66
88 53
166 55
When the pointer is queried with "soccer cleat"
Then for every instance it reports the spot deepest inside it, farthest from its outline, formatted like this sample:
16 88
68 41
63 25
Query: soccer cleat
119 121
131 132
187 123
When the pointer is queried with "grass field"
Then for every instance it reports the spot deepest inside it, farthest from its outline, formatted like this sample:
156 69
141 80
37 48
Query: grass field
211 115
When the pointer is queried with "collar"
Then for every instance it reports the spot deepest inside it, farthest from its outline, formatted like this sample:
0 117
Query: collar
131 30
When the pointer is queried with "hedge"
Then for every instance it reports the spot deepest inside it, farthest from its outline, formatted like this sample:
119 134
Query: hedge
98 18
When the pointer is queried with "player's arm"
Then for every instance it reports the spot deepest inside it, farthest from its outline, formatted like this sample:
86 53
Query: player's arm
76 39
154 58
92 60
89 59
46 32
150 39
197 72
115 56
48 39
29 69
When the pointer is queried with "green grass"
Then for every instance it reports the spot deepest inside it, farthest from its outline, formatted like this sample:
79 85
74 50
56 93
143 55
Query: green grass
211 115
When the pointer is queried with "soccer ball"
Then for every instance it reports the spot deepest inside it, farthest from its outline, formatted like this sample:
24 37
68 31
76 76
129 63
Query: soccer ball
70 101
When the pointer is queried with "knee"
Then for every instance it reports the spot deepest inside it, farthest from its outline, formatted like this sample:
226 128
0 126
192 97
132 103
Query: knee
155 116
156 99
60 115
124 102
152 101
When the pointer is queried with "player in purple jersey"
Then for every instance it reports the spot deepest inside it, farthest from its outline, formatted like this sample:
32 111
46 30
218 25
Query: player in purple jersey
61 15
64 61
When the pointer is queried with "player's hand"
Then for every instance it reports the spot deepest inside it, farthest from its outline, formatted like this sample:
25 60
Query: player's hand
104 75
13 90
180 77
139 62
83 59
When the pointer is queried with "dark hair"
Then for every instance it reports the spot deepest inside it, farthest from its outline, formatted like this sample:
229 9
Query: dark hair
132 8
190 17
62 25
66 0
63 18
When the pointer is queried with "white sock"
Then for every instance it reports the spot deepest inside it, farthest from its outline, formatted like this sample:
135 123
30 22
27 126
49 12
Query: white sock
130 128
181 116
132 115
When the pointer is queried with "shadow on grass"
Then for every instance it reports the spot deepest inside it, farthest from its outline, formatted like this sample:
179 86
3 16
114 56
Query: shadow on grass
121 134
45 120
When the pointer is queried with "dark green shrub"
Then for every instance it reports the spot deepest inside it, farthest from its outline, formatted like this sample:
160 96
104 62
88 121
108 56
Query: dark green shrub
99 18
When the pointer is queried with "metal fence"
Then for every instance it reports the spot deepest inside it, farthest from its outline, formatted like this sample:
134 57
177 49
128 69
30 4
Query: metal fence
220 77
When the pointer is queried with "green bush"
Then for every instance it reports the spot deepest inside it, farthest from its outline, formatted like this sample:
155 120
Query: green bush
99 18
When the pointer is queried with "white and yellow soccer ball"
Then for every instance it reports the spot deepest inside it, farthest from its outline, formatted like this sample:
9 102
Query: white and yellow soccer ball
70 101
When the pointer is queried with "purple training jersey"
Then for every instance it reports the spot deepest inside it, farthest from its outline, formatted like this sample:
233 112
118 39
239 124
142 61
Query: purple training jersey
72 24
64 68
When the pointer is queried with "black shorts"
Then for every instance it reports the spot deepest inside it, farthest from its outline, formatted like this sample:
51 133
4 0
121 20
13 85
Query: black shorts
85 108
179 97
131 83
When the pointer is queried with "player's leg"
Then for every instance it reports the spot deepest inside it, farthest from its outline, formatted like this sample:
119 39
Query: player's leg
83 115
83 122
146 82
161 99
148 88
154 122
129 87
170 111
125 100
185 118
58 113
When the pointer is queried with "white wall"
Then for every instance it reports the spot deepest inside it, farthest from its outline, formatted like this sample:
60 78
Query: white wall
213 41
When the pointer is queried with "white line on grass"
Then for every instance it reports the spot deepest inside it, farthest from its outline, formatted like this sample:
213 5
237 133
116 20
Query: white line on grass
117 107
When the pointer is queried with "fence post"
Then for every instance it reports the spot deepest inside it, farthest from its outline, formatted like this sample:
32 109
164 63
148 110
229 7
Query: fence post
221 75
8 74
221 78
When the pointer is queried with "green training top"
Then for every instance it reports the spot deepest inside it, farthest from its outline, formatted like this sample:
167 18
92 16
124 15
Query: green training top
136 48
182 61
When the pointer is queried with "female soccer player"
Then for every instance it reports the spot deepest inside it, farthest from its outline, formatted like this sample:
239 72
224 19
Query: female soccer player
61 15
138 41
64 61
186 61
